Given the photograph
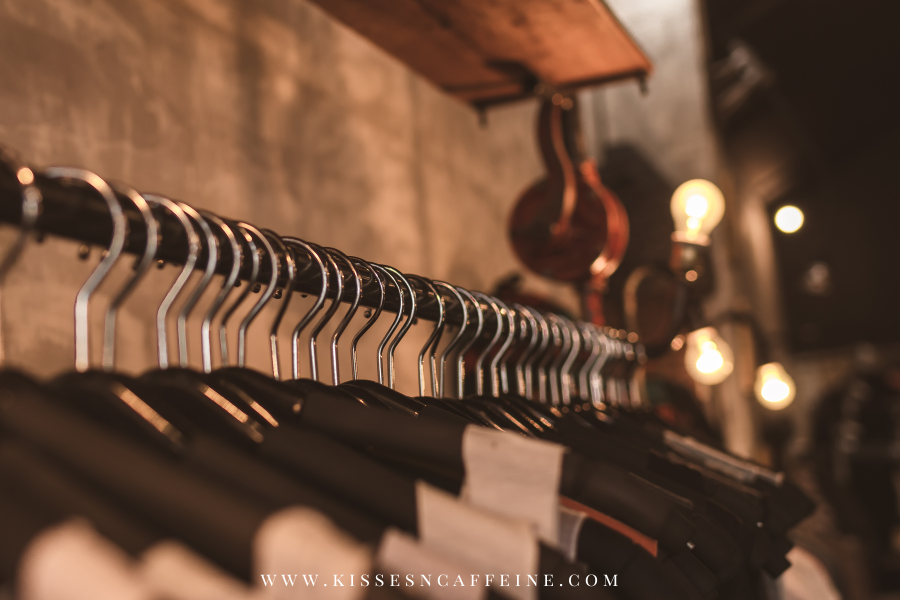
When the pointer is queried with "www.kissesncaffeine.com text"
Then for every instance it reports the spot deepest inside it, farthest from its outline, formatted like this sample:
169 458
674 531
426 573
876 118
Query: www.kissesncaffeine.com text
442 580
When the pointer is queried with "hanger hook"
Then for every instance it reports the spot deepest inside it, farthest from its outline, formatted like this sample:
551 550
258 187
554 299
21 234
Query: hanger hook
587 336
354 305
547 355
598 393
31 210
151 232
193 242
253 253
396 323
555 365
565 377
116 244
479 363
459 334
543 331
496 366
274 266
316 307
212 257
317 328
372 318
460 359
528 321
401 333
291 269
227 286
433 339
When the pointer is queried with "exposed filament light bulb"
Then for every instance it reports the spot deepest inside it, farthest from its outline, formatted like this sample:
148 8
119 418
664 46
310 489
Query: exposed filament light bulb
774 388
708 359
697 207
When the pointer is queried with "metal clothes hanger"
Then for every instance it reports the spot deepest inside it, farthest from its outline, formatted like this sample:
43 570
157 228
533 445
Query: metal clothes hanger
543 332
592 344
317 328
212 258
396 322
565 378
189 264
556 363
456 339
401 333
547 357
151 226
227 286
253 253
120 229
529 323
291 274
432 340
316 307
373 273
498 365
460 359
479 362
598 395
264 298
348 316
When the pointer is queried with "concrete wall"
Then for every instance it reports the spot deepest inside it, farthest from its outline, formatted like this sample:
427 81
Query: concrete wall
267 111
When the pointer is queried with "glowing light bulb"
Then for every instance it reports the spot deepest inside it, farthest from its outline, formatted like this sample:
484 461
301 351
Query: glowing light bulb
708 359
774 387
697 207
789 219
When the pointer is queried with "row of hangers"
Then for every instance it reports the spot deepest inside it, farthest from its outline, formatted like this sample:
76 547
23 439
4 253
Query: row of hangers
537 355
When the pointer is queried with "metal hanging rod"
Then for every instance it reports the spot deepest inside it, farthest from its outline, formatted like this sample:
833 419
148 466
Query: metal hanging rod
72 211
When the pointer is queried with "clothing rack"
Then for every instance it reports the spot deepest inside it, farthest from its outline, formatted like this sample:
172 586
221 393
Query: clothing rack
78 213
75 212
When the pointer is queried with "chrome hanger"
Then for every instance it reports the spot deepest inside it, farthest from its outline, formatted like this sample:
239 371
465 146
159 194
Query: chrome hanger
432 341
565 378
314 310
496 370
185 274
251 283
212 254
317 328
589 337
117 243
227 286
547 357
598 395
479 363
401 333
460 359
456 339
348 316
291 274
556 363
151 226
274 265
372 318
542 330
396 323
523 386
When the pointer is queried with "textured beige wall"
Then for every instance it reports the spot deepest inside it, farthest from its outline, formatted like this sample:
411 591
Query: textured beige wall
267 111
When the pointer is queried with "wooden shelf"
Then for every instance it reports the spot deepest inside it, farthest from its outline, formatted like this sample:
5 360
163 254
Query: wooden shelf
490 51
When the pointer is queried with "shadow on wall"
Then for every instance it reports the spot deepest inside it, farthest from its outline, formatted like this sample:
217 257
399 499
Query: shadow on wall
645 193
